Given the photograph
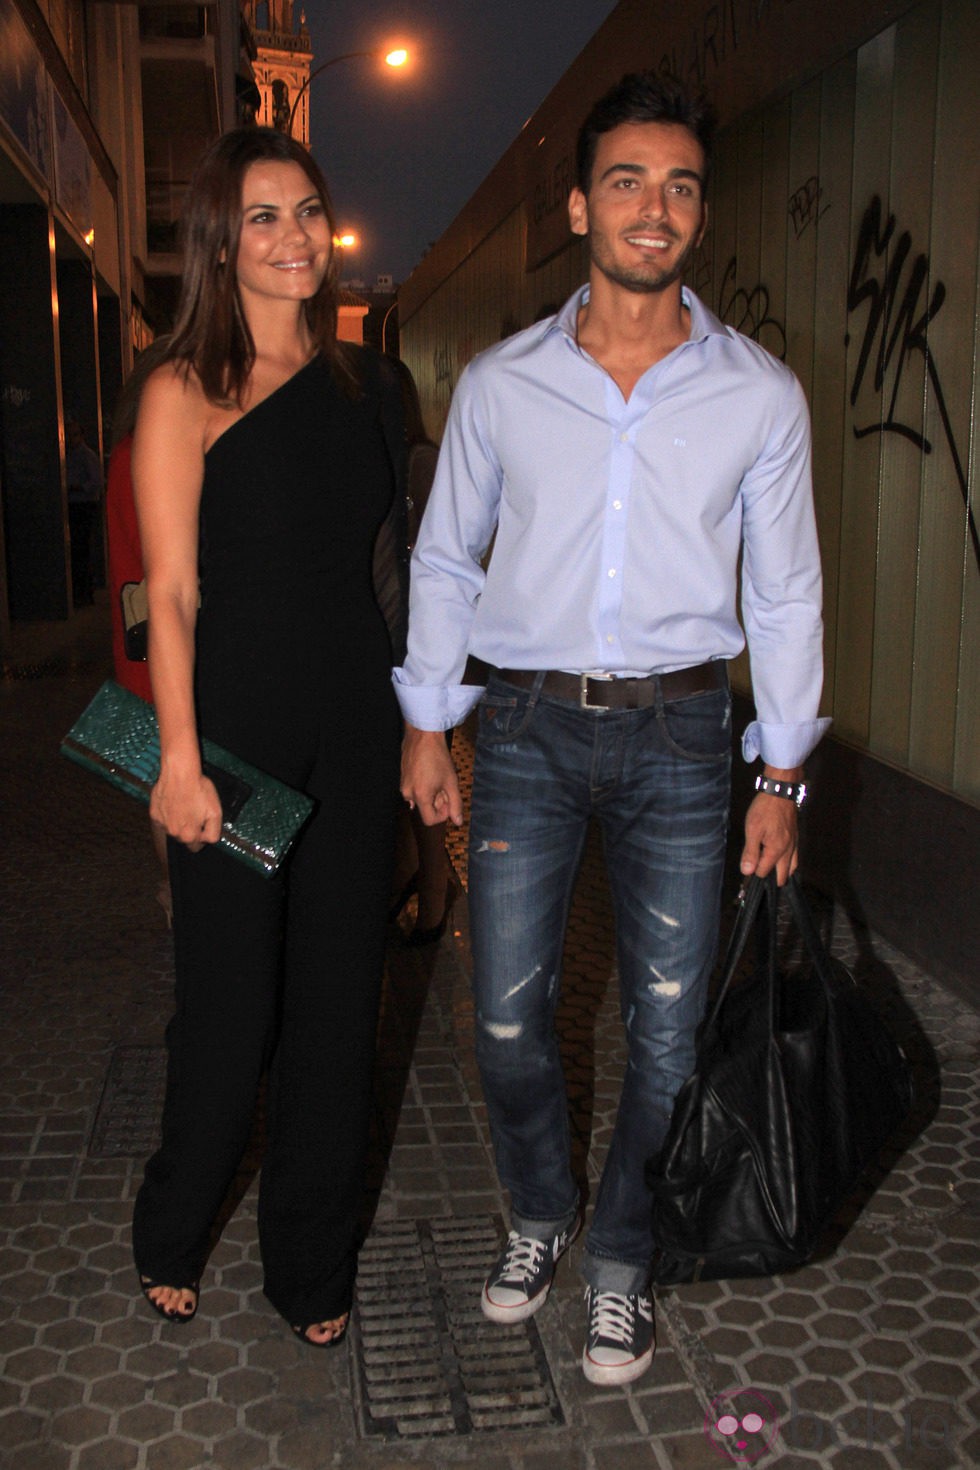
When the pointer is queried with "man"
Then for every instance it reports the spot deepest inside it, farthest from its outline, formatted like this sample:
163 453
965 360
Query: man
85 485
621 451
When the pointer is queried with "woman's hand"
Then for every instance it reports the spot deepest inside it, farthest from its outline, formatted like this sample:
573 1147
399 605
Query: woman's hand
186 804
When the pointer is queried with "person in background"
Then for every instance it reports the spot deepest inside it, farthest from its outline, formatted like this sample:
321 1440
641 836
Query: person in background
126 562
421 862
125 552
83 473
267 459
625 452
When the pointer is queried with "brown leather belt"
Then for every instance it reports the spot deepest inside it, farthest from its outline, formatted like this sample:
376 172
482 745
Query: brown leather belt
599 691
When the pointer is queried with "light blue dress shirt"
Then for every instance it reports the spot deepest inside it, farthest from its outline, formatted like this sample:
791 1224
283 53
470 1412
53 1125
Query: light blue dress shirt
618 526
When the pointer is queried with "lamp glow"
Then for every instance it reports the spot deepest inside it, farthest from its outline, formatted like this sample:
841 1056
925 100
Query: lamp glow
395 58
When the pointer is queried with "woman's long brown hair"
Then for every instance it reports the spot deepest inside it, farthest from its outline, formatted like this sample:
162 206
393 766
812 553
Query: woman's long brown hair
211 334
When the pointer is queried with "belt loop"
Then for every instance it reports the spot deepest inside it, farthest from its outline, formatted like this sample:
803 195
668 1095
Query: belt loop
536 688
659 703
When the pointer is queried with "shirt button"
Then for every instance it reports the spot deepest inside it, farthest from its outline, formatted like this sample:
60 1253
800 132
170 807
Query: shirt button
617 505
624 438
612 571
610 638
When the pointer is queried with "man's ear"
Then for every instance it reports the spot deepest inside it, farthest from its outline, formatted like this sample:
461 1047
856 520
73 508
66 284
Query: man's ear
578 212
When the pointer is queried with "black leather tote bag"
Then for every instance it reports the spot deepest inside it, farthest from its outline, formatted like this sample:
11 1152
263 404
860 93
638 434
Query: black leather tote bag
797 1086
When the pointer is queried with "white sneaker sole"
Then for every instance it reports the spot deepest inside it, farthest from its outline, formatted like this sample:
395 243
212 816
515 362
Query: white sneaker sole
609 1374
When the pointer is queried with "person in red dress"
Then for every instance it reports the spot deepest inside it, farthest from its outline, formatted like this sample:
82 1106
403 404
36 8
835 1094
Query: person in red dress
125 553
126 560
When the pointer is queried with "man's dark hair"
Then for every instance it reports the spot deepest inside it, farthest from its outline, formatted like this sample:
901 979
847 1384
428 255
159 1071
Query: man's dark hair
644 97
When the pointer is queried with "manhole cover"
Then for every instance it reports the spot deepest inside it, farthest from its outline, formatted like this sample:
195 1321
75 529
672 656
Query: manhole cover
127 1123
427 1361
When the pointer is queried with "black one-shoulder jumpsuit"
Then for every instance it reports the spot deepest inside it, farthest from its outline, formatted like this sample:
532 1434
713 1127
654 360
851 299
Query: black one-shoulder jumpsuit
292 673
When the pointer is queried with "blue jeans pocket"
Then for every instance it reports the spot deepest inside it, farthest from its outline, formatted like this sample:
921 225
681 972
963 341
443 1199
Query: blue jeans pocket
502 715
699 728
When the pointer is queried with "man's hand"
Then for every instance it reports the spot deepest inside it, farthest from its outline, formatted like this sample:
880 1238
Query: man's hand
771 832
429 782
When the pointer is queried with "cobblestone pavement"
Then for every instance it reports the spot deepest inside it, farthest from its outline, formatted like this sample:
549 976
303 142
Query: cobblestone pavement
866 1358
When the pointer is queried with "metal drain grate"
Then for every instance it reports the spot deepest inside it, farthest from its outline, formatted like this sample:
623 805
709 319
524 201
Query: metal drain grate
127 1124
427 1361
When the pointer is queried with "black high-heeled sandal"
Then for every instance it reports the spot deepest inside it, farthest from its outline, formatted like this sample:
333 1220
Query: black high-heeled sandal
331 1342
147 1284
434 932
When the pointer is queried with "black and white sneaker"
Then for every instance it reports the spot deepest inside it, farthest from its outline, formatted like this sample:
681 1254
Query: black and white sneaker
620 1338
521 1276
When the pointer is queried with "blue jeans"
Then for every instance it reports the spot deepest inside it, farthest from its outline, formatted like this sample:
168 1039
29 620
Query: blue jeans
658 782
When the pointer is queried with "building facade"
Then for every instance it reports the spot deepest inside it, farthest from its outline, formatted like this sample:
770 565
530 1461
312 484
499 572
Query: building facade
104 109
282 66
843 236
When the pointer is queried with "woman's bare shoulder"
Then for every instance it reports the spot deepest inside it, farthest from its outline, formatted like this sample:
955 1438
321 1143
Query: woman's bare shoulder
173 408
173 385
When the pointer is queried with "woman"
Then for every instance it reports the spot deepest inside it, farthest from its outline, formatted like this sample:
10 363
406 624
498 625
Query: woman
421 862
265 459
125 552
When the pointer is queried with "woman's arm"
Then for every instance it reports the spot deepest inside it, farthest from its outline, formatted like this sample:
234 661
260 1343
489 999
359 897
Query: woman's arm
168 472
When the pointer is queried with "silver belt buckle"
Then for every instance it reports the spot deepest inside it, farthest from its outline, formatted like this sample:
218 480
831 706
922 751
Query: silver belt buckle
583 695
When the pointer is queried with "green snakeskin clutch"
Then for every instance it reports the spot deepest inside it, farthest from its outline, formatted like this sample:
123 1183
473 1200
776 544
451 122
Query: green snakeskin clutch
116 737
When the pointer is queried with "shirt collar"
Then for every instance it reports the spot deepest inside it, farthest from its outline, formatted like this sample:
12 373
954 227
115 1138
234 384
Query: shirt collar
704 323
567 319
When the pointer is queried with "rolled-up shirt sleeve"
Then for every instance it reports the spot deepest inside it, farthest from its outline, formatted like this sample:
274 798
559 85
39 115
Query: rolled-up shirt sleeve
782 592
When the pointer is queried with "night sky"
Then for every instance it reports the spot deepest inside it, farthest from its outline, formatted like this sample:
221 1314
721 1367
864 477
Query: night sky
403 152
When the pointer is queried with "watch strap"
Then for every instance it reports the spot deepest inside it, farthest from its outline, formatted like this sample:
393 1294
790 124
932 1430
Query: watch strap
791 790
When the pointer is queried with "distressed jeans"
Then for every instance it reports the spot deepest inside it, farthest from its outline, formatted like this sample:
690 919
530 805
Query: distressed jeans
658 781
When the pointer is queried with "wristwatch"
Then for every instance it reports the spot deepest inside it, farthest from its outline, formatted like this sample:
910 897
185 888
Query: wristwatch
792 790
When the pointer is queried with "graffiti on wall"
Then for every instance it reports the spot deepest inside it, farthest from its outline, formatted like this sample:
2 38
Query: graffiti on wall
448 362
551 192
805 206
705 45
749 312
442 372
894 286
701 271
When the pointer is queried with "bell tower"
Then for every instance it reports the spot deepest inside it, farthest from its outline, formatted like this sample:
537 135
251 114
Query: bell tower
282 66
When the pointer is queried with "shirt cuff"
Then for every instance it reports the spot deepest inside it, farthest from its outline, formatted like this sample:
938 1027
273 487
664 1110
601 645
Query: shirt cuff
783 746
433 706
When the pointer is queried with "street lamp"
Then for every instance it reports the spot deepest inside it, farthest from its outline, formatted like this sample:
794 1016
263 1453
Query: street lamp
384 324
394 59
346 243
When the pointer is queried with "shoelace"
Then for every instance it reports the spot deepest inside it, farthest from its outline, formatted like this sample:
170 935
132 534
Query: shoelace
522 1259
612 1316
